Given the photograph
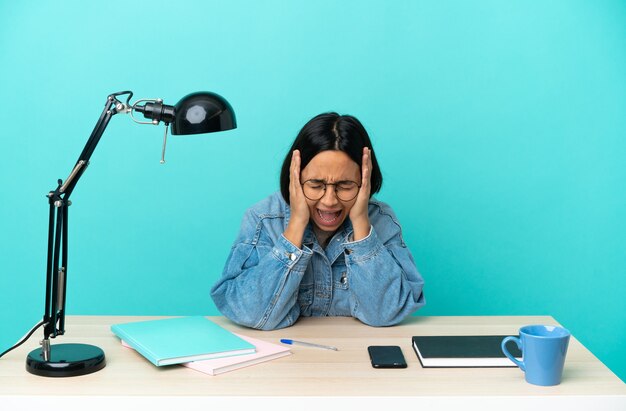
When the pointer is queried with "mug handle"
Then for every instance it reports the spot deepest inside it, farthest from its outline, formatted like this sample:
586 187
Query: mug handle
508 354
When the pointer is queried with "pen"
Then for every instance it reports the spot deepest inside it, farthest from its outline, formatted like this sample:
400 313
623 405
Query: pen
307 344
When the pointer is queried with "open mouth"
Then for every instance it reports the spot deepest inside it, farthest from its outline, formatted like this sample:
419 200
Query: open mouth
328 217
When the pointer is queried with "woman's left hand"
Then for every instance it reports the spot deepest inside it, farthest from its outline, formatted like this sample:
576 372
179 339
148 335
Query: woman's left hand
359 215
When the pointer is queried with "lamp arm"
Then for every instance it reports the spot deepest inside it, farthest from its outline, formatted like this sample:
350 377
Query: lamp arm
111 107
58 199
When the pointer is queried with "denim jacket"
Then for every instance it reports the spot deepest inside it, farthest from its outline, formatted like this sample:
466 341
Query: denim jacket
267 282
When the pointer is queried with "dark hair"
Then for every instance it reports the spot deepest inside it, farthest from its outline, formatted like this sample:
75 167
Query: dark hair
330 131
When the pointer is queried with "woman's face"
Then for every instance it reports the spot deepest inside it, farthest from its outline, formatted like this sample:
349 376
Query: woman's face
331 166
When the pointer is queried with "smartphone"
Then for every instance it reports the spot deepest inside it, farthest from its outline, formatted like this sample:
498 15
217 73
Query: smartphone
386 356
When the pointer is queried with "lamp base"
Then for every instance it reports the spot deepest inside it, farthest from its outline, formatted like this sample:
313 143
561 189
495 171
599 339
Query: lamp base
66 360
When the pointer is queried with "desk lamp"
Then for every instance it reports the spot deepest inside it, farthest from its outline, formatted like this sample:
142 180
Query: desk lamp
196 113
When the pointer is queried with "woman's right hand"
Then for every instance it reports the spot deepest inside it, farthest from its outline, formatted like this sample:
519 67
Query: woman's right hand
299 208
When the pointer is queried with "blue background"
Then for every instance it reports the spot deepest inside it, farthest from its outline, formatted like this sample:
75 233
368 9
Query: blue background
500 127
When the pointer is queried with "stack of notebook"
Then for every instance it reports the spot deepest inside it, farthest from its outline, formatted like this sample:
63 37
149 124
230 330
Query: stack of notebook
197 343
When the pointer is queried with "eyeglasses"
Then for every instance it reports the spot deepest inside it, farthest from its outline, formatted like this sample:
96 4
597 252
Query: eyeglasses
344 190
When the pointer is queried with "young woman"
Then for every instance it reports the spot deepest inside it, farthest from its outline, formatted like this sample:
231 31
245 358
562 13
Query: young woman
322 246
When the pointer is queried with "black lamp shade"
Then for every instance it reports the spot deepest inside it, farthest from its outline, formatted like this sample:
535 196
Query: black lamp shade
203 112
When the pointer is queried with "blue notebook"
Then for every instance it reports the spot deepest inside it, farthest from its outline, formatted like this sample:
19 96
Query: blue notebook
182 339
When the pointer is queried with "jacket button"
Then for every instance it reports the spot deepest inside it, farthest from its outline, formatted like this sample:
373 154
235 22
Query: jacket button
347 251
292 257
